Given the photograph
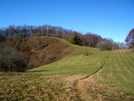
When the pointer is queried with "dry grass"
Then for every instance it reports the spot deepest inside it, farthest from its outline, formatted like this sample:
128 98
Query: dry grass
112 80
51 49
31 87
75 77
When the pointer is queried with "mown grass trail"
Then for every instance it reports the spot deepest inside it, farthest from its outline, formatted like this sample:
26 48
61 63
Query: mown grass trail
113 69
77 62
120 68
115 81
100 75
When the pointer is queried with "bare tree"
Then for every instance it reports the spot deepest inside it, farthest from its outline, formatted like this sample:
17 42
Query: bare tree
122 45
130 39
91 40
11 60
105 45
34 41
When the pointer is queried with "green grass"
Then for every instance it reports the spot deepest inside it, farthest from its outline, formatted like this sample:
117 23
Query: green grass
76 62
113 70
120 68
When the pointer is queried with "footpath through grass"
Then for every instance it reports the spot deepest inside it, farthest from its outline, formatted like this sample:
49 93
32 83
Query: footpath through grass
83 60
109 76
115 81
111 68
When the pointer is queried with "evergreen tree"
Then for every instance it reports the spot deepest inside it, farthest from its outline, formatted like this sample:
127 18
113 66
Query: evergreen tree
76 40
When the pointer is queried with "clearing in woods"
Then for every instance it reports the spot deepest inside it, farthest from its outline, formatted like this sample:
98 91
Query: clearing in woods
86 74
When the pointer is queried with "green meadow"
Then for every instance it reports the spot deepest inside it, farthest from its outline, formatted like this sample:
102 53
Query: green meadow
86 74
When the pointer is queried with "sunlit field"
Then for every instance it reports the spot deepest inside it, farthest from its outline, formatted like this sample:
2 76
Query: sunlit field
86 74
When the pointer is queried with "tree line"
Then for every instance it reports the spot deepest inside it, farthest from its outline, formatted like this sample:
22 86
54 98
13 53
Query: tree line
13 48
88 39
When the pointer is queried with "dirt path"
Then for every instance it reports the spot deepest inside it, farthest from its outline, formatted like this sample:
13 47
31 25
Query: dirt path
80 89
83 88
94 88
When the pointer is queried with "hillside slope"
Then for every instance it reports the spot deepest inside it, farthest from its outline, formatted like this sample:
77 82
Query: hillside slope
83 60
101 75
85 74
43 50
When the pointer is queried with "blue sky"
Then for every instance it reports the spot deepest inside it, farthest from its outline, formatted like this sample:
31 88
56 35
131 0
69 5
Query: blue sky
108 18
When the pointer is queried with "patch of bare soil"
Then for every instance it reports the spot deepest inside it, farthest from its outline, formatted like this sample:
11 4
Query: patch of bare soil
71 88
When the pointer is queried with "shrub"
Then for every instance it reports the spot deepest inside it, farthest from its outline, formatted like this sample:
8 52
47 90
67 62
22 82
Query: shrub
11 60
86 53
76 40
105 45
17 39
34 41
50 56
41 55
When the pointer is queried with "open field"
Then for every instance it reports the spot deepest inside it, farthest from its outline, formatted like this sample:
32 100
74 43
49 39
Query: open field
86 74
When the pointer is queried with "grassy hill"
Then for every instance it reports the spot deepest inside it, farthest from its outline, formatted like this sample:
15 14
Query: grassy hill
77 62
43 50
86 74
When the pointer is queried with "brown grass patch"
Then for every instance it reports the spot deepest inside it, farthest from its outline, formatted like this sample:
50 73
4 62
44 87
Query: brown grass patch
49 50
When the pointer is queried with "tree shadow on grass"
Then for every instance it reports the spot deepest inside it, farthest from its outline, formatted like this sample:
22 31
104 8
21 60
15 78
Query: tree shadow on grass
38 71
